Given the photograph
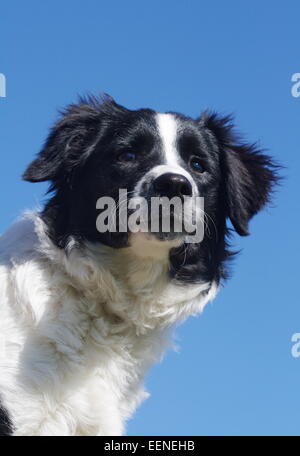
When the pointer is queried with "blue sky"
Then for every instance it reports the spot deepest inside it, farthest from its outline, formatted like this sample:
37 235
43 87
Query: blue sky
234 373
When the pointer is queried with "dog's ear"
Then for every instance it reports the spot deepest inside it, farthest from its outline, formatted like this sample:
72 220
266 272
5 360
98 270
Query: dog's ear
248 173
68 143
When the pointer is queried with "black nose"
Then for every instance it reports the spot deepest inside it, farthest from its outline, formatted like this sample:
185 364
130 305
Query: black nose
170 185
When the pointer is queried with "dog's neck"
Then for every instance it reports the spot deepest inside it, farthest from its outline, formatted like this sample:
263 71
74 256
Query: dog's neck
130 285
136 287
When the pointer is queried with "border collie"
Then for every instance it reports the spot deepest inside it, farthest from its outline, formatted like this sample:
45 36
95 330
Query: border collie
84 313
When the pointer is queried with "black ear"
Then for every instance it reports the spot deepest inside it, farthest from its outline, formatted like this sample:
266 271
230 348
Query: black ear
68 142
248 174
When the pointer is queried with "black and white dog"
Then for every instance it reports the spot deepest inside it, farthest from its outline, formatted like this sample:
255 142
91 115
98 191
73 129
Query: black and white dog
83 313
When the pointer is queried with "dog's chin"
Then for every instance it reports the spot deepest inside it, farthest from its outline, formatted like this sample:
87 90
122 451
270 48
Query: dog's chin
154 245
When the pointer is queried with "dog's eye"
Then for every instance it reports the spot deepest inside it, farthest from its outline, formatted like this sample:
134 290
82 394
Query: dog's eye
196 164
127 156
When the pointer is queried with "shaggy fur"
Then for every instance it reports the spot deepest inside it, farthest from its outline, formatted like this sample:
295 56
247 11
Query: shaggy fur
83 314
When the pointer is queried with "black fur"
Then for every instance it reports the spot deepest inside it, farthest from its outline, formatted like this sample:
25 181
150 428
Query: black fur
80 158
5 423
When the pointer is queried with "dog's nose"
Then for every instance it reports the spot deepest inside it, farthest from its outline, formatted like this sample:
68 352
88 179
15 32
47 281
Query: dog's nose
171 184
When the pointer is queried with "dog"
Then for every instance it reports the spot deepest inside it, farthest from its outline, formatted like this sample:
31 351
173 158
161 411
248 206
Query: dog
85 313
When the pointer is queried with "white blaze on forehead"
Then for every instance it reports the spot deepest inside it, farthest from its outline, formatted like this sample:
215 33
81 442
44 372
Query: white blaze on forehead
167 127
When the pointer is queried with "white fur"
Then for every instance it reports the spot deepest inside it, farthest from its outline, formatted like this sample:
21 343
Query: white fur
167 127
80 329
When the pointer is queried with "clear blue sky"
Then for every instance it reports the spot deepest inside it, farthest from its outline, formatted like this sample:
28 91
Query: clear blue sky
234 373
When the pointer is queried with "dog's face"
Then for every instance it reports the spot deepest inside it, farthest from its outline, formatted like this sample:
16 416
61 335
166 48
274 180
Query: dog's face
98 148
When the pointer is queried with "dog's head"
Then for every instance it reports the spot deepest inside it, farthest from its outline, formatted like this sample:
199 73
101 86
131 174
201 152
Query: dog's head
100 147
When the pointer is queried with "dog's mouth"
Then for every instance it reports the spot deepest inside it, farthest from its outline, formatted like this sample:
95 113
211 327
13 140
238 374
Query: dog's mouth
162 236
162 222
162 218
